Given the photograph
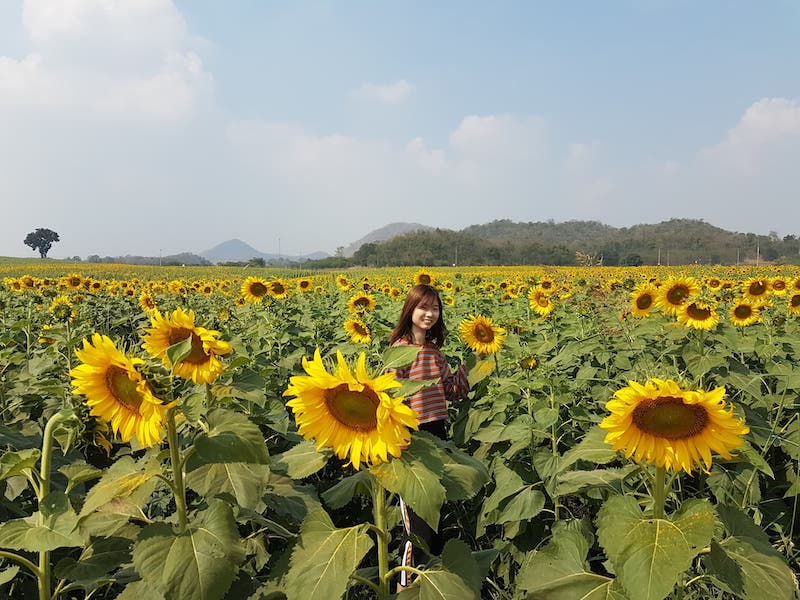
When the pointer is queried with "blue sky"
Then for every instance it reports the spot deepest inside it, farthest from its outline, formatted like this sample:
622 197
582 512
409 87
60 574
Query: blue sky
133 126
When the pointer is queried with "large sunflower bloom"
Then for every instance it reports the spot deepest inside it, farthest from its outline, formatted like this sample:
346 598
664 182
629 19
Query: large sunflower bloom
358 331
351 413
643 299
424 277
756 288
540 302
745 313
360 303
699 315
202 364
115 392
278 289
674 292
793 304
254 289
480 335
660 423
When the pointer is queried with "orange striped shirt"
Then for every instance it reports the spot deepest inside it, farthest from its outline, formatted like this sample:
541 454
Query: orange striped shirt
430 403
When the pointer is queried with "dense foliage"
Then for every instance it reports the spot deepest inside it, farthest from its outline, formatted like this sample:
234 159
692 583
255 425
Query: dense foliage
534 503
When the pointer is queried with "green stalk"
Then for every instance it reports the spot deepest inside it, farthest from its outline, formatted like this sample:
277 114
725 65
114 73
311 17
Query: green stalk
381 537
44 489
659 493
177 469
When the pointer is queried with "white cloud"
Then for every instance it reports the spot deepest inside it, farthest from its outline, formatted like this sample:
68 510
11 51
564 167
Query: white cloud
105 56
767 122
428 159
391 93
127 23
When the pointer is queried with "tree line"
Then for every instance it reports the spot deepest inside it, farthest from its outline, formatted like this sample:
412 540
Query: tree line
503 242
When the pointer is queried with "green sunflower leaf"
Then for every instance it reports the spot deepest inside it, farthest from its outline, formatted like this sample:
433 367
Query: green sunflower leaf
246 482
100 557
231 437
592 448
56 526
397 357
324 558
199 563
750 573
121 481
341 493
14 463
178 352
558 571
301 460
650 554
415 476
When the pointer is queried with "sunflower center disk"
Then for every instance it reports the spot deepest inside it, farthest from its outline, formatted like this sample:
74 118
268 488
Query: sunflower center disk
258 289
743 311
122 388
645 301
484 334
698 313
356 410
197 356
677 294
668 417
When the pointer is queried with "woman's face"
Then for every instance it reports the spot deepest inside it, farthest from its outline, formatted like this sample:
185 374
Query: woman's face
425 315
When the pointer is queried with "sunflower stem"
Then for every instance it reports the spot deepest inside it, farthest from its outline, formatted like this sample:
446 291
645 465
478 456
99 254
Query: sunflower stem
44 488
381 537
496 366
177 469
659 492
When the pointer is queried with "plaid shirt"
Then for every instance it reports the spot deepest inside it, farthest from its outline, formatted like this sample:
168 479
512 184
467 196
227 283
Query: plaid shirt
430 403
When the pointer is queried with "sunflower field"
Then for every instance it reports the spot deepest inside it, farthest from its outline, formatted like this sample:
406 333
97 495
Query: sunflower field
176 433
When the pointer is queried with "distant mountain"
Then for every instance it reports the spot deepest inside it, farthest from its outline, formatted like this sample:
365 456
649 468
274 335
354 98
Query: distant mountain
238 251
386 232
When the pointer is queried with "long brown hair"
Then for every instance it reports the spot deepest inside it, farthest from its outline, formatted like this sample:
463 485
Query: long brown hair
416 296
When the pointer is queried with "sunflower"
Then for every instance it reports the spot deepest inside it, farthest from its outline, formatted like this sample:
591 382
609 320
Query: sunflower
660 423
540 302
361 303
277 289
674 292
744 313
254 289
480 335
116 393
423 277
61 308
643 298
756 288
699 315
73 281
528 363
305 285
351 413
778 285
147 302
548 286
343 283
202 364
793 305
358 331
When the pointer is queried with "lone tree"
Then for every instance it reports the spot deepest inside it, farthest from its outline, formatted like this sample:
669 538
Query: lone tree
41 240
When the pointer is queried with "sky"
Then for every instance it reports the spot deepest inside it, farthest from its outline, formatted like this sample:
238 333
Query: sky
151 127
